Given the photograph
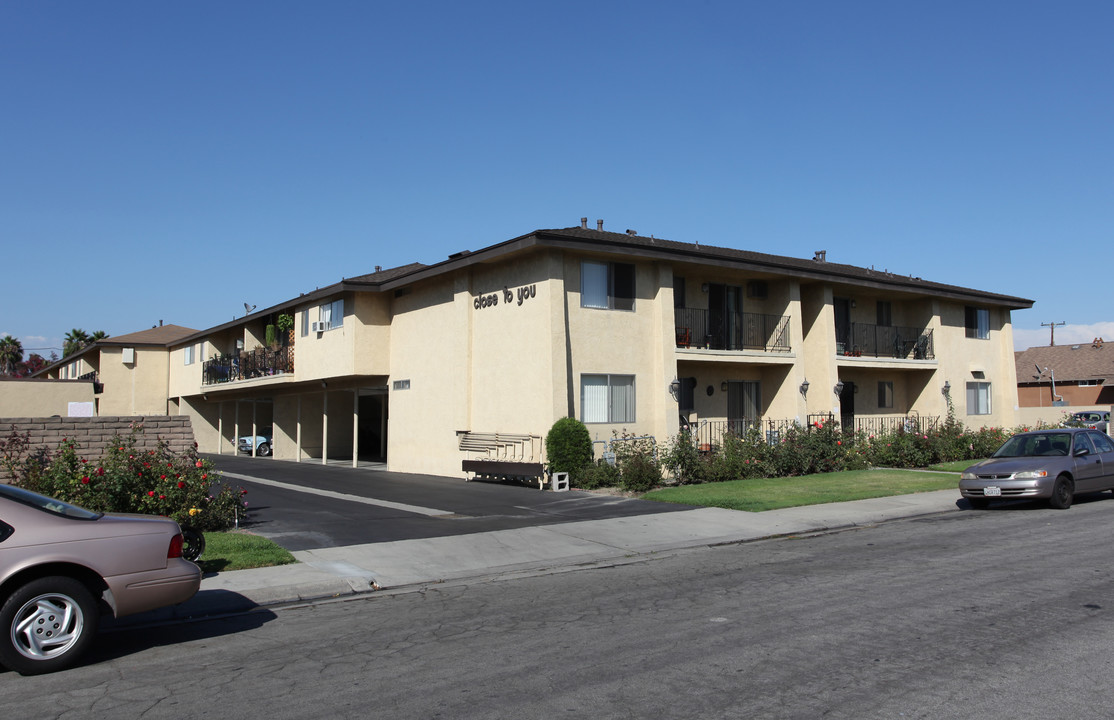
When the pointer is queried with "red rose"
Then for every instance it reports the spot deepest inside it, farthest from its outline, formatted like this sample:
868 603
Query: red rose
181 484
162 497
85 480
151 493
162 477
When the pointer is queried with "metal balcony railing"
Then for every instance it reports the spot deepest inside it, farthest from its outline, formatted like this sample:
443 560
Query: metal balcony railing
885 341
261 362
731 331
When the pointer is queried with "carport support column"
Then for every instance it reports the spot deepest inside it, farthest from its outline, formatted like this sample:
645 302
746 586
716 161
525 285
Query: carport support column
298 431
325 428
220 427
355 427
254 431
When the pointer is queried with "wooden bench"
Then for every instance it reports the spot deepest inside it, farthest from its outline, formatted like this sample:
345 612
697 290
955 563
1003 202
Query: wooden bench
506 456
505 470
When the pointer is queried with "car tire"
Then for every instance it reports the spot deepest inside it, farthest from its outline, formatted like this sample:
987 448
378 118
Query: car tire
1063 491
193 543
47 625
263 450
978 503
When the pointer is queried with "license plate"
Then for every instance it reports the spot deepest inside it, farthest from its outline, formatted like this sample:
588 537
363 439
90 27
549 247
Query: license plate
992 492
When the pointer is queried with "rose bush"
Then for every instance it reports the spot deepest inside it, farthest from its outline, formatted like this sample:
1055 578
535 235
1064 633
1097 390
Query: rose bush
183 487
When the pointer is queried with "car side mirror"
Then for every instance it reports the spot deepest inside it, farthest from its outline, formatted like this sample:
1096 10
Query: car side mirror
1080 452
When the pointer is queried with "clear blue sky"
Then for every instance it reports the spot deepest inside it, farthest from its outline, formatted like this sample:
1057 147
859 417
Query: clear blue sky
173 160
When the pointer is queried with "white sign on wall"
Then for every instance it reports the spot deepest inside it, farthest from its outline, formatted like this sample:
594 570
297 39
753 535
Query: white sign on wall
81 409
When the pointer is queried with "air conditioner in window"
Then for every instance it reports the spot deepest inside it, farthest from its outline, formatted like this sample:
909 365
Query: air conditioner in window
320 326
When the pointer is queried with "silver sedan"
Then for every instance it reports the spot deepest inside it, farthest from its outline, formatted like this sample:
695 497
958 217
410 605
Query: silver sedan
1053 465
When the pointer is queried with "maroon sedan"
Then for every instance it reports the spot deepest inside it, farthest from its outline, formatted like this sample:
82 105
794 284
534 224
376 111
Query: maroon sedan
62 566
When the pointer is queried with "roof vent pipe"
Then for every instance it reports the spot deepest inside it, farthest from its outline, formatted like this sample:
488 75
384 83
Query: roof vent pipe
821 256
599 224
583 223
632 233
378 268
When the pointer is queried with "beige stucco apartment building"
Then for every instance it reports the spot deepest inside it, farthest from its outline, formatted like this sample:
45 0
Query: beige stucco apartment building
630 334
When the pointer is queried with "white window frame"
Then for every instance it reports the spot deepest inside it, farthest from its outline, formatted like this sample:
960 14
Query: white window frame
332 314
607 398
981 328
979 398
595 272
188 354
885 394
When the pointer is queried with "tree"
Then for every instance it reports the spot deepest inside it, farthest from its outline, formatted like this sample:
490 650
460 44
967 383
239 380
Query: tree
98 335
76 339
31 365
11 354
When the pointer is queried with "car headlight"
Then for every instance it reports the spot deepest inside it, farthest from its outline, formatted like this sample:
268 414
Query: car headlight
968 476
1030 474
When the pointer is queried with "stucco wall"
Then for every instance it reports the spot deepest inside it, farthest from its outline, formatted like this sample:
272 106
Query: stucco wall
41 398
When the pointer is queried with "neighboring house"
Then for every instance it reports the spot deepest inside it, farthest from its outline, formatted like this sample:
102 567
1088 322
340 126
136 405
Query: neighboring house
1071 375
129 373
630 334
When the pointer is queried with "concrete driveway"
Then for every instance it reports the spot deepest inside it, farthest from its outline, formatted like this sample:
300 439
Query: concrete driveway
306 506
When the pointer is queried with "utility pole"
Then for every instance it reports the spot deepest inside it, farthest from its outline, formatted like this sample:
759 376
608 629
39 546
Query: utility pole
1052 331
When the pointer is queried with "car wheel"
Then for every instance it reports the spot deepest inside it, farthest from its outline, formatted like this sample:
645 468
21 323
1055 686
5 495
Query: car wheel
193 543
48 623
263 450
979 503
1062 492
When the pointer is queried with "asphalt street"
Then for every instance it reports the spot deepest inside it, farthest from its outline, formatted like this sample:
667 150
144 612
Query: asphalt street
1003 614
306 506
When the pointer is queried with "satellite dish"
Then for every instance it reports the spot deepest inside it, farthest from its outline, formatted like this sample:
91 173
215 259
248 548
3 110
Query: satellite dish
248 308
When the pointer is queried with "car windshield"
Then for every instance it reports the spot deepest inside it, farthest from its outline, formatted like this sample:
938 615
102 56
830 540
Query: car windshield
1036 445
47 504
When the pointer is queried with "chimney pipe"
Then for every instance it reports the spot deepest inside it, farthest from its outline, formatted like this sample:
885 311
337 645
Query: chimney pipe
378 268
599 224
583 223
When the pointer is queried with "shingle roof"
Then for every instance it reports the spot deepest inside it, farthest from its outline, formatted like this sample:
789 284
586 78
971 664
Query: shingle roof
1070 363
820 269
583 239
161 335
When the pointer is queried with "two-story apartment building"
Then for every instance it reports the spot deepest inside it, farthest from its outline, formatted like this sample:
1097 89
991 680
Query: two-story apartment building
628 333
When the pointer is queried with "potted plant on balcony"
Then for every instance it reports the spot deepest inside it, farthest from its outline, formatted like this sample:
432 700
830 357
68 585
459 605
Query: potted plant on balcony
285 323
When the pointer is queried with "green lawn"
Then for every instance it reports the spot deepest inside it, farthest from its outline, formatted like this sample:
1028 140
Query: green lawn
772 493
240 551
957 466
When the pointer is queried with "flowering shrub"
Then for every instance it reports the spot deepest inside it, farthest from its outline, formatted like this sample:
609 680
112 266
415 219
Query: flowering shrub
183 487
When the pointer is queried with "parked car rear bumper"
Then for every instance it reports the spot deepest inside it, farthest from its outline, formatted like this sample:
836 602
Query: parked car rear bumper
142 591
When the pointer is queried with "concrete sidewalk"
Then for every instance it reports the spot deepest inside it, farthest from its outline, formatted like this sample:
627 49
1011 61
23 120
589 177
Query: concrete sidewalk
339 571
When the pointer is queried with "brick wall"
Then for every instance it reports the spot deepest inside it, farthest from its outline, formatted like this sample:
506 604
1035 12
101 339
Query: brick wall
93 434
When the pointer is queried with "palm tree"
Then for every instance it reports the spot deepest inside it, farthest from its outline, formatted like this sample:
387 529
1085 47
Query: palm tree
75 340
98 335
11 354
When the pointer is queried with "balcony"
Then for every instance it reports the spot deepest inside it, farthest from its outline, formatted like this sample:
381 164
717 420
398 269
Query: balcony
98 386
246 365
716 330
885 341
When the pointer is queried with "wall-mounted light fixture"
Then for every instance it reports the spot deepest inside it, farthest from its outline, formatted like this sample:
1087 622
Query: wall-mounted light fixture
704 287
838 388
723 386
947 387
804 387
852 302
675 389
